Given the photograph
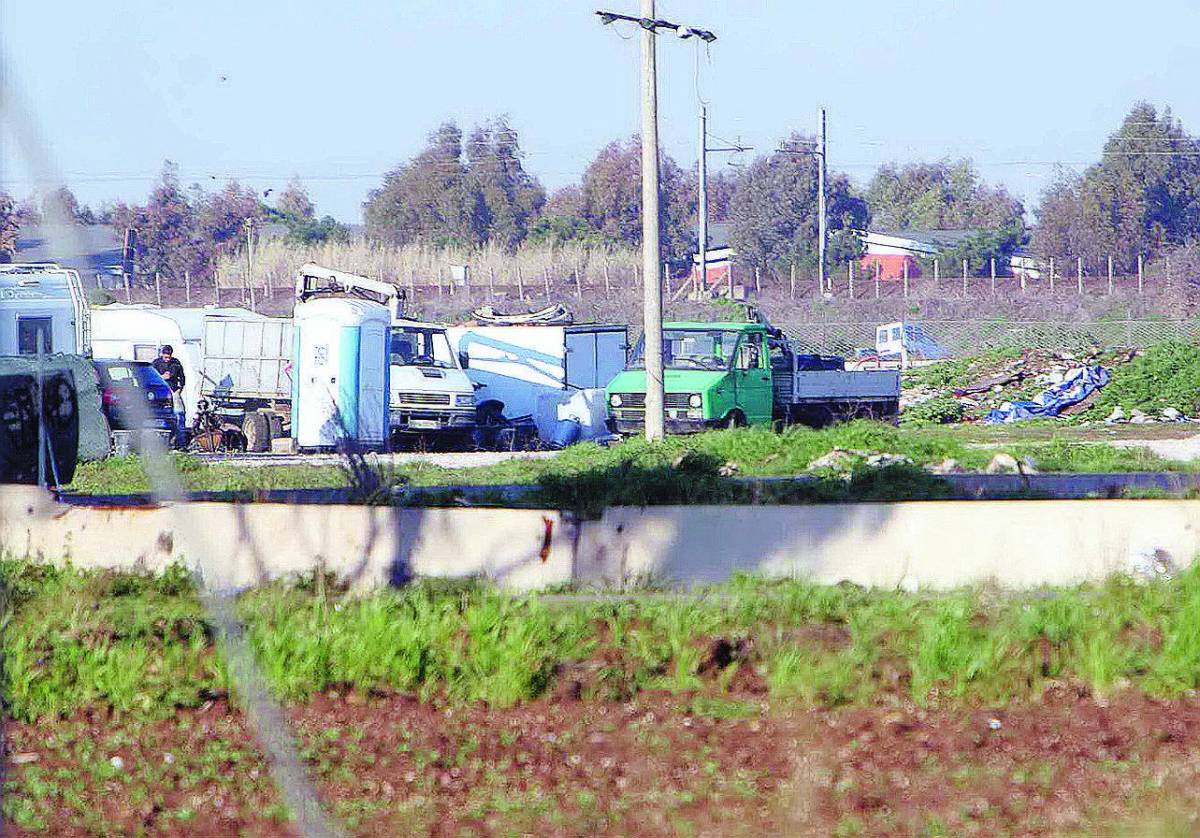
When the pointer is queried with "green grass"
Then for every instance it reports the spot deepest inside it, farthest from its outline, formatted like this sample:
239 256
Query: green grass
1165 375
142 646
695 469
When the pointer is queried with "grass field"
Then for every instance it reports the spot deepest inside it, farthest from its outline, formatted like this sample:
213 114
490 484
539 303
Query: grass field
691 469
755 705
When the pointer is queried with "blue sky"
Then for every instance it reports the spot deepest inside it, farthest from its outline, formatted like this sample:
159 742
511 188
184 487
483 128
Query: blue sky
338 93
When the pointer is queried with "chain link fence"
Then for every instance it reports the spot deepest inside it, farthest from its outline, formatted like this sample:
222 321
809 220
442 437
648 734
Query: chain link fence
971 337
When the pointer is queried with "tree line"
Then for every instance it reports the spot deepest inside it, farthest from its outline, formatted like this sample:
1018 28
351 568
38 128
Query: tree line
466 190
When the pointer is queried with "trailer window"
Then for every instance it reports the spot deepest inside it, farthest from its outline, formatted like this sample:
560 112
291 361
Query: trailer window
421 348
33 336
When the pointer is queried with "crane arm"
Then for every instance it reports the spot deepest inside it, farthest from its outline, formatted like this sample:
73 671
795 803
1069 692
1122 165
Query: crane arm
313 279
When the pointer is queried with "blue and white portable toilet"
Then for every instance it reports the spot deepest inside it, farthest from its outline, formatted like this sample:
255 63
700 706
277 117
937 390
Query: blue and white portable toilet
340 377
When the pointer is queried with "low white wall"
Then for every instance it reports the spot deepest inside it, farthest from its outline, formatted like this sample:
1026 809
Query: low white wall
930 545
940 544
238 545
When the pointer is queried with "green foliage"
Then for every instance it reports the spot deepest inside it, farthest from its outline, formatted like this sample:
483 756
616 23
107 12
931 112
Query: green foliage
1165 375
939 196
610 199
10 225
142 645
982 246
940 410
774 211
1137 200
451 195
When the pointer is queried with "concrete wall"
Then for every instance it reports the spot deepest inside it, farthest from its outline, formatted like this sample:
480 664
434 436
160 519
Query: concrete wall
238 545
930 545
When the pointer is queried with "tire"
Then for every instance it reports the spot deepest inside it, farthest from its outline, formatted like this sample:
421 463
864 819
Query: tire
734 420
276 423
257 429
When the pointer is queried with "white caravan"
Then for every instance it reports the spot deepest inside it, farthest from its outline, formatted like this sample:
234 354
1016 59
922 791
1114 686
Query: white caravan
554 374
43 310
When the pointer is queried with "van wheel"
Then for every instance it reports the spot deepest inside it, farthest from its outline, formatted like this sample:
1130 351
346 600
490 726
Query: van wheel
735 420
257 429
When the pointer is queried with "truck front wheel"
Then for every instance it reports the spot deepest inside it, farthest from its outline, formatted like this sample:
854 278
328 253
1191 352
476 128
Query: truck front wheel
257 429
735 420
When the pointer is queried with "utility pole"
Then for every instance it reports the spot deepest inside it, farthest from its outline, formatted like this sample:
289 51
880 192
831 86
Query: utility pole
822 222
651 289
702 214
818 152
651 261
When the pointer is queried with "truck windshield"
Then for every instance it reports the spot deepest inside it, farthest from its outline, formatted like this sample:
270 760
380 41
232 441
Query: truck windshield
421 348
691 349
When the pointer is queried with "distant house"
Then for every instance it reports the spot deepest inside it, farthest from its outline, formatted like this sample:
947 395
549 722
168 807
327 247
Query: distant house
889 253
718 257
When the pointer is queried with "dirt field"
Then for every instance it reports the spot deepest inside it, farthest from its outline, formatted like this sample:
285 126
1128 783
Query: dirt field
663 764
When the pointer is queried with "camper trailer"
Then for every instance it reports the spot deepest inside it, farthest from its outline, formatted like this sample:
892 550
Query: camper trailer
43 310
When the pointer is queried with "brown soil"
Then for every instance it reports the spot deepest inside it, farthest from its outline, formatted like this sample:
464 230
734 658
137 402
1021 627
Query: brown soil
657 765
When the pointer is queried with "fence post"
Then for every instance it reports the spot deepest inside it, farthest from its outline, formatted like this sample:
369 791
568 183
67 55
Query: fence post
667 280
1110 276
187 286
964 279
992 267
1051 274
792 273
1022 280
905 278
1168 268
850 277
128 298
1139 273
607 284
546 280
758 282
216 286
936 273
520 284
157 290
491 281
1079 274
877 280
578 286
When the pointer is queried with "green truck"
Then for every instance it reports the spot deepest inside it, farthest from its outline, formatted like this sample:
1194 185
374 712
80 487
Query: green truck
726 375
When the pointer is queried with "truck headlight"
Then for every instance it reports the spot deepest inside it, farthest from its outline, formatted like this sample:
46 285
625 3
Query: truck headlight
614 400
465 400
695 400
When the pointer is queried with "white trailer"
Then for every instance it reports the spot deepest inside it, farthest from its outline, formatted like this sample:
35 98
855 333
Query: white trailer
235 359
43 310
553 374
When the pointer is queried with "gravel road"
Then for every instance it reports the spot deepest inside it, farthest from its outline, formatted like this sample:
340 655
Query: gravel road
456 459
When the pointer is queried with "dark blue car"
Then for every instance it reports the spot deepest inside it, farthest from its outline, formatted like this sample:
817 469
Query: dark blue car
133 395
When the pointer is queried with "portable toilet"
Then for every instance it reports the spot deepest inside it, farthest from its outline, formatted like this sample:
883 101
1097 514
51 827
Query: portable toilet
339 384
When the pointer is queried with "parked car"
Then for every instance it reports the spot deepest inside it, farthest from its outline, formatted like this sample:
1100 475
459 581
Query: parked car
126 384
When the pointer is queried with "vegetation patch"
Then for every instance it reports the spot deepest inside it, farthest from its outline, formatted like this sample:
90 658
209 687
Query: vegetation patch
1165 375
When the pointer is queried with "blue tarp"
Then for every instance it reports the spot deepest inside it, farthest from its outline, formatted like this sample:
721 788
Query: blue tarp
1078 385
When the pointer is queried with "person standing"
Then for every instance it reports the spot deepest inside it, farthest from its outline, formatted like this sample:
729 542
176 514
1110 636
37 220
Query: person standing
170 368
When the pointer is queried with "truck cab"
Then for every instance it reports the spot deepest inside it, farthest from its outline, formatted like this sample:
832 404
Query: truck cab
714 375
431 395
728 375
